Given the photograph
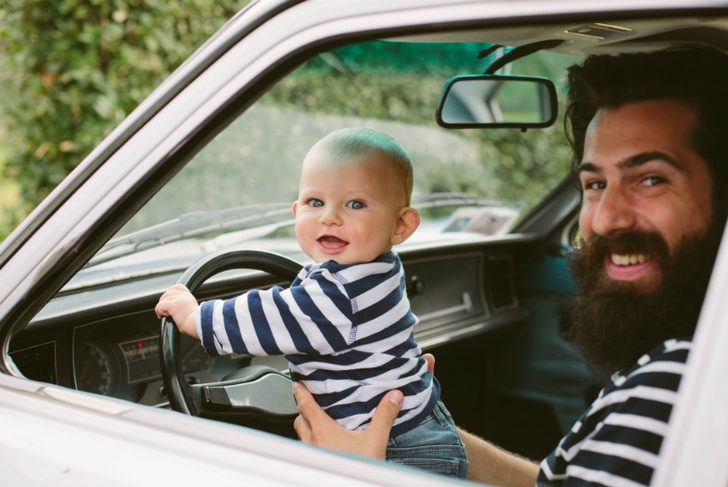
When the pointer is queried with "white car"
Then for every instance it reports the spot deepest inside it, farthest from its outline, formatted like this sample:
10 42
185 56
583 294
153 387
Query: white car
201 177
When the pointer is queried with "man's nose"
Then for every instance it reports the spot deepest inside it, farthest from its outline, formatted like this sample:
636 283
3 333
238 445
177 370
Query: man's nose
615 212
330 216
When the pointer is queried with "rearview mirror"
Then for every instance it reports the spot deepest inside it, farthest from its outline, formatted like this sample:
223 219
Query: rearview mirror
487 101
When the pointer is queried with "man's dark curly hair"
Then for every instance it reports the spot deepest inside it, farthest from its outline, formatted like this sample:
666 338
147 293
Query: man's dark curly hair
697 76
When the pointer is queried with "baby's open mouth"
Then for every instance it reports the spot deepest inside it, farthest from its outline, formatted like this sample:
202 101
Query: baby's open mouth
331 242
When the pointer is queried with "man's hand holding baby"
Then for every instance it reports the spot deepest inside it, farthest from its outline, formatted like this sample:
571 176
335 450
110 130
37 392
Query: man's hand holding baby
179 304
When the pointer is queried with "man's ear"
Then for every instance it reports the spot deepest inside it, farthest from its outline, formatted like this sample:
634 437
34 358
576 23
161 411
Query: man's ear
295 207
407 222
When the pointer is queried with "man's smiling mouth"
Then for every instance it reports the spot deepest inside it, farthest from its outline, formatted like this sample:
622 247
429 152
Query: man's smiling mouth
628 259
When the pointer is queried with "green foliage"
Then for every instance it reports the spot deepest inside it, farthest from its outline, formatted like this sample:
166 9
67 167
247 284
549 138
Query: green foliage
515 168
73 69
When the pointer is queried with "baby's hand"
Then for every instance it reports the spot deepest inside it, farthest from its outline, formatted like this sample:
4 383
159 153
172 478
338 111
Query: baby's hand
179 304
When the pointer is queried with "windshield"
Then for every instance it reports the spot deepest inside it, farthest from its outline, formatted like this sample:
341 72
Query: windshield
238 190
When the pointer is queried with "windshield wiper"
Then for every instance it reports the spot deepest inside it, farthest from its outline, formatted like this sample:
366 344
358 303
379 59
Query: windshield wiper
196 224
190 225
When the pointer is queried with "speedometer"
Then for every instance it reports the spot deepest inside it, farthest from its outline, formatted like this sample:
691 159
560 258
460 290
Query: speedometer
97 369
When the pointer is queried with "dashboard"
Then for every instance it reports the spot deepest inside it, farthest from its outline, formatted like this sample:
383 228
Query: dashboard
106 341
116 357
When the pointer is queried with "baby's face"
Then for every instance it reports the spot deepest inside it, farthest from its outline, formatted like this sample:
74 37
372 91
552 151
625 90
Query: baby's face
347 210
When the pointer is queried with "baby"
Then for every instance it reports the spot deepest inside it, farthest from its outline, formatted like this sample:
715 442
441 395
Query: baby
345 323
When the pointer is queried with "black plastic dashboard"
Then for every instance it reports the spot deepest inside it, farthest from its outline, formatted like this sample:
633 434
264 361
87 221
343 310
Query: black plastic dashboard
106 340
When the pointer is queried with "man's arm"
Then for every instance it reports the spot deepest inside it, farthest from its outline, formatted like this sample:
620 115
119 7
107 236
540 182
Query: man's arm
489 464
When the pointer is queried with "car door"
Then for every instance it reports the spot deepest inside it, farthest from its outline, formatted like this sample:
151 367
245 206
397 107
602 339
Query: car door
488 302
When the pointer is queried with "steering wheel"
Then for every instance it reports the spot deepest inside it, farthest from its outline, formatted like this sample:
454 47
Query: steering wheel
258 396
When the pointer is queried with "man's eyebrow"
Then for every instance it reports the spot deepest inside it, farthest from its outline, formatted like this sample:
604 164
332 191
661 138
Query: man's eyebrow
645 157
587 167
634 161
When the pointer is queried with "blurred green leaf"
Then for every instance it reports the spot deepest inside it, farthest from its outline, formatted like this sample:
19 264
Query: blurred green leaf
71 70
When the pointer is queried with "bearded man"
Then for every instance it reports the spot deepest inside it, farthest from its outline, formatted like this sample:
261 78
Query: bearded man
648 133
647 137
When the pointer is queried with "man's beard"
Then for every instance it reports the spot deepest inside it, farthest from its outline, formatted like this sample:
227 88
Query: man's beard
613 323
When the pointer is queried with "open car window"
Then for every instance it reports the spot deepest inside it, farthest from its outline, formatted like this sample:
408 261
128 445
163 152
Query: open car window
238 190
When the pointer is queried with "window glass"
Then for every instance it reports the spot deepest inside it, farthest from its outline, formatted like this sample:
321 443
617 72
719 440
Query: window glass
239 189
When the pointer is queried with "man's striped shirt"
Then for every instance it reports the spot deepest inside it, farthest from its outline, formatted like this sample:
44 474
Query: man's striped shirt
346 330
617 441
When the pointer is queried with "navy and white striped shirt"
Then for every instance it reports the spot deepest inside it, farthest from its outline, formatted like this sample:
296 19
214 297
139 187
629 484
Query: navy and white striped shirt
617 441
347 332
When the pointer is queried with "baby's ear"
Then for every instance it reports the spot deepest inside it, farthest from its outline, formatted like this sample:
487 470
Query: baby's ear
407 222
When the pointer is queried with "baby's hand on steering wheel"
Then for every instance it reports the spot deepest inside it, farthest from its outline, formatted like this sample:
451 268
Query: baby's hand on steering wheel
179 304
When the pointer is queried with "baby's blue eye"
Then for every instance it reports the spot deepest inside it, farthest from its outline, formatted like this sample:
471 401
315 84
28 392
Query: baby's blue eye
356 205
316 203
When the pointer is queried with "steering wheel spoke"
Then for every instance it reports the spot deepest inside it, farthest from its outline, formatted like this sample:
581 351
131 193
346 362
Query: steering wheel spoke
269 393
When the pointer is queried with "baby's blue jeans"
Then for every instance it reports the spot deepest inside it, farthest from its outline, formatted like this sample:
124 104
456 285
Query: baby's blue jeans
434 446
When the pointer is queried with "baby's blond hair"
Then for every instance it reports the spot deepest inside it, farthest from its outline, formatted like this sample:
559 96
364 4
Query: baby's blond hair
360 141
